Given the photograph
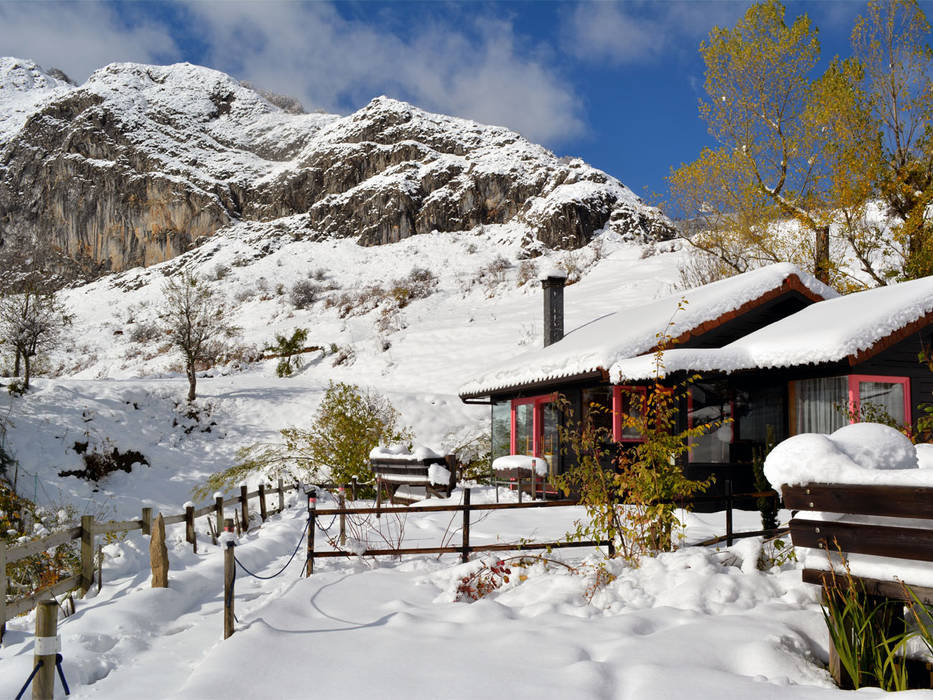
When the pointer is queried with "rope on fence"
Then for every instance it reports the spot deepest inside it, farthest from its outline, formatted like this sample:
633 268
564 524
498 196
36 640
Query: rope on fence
29 680
61 674
326 530
279 572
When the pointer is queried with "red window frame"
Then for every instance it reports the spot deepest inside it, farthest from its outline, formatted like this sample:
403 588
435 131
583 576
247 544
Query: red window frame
618 392
537 422
854 391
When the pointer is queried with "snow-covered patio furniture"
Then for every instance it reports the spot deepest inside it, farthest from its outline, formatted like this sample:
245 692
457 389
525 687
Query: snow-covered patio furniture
406 477
863 502
521 472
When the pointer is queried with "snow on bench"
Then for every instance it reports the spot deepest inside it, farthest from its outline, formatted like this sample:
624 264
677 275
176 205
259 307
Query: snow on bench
866 499
406 477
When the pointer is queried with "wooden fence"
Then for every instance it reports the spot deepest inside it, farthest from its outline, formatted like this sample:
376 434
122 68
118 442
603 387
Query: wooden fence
90 529
465 548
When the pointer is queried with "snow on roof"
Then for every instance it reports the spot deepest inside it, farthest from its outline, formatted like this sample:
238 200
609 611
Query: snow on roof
829 331
600 344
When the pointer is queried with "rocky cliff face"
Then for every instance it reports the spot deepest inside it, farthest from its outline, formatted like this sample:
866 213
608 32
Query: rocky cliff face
138 163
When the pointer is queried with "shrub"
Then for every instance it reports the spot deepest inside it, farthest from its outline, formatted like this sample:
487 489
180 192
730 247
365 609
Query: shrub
492 274
527 272
647 477
104 461
287 348
145 333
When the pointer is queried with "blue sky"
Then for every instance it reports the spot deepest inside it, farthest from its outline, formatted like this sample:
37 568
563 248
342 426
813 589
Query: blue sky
614 83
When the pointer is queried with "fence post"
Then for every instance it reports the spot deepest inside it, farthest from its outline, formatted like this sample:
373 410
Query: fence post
219 508
378 496
262 502
229 577
312 525
519 489
190 535
87 553
280 488
3 586
342 503
465 556
244 508
729 504
146 518
43 685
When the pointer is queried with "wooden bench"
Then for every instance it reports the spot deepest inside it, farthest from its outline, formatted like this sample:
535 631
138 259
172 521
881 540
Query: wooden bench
393 473
890 539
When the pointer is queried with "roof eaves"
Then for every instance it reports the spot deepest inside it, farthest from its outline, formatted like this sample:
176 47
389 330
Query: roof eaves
598 373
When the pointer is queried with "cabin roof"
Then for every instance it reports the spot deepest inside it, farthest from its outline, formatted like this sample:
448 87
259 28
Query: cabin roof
597 346
853 327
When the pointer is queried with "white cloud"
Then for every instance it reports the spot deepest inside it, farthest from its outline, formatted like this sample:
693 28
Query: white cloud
81 37
474 68
479 70
641 32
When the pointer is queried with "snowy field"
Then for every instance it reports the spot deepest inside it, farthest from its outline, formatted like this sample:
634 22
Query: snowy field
697 623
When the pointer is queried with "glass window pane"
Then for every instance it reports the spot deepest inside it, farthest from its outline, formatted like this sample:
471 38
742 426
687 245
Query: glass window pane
820 404
885 397
550 439
633 407
501 429
758 410
709 403
597 408
524 429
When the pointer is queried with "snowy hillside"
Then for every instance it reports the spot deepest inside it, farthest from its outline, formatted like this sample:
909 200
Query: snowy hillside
483 308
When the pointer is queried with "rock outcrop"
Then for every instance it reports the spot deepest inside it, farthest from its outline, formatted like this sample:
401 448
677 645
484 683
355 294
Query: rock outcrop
138 163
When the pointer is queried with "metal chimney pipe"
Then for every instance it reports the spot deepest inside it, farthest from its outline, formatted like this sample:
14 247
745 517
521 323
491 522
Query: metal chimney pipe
553 283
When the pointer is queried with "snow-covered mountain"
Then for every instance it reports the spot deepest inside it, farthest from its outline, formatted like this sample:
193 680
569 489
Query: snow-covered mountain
140 162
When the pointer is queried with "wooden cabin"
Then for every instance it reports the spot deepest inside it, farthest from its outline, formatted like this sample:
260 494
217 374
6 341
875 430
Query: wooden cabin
776 351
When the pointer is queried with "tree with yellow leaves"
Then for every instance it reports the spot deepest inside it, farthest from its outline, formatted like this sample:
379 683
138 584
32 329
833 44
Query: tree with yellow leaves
798 152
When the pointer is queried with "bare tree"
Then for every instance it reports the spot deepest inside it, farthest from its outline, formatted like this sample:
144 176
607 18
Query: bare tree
31 322
193 317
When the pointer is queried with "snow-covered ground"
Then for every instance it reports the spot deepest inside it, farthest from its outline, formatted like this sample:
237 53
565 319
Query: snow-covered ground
697 623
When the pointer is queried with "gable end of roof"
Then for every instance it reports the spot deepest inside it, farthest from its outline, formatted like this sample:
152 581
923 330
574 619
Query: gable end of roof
792 283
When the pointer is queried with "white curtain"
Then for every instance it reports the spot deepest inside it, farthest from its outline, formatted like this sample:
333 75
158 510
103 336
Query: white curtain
821 404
